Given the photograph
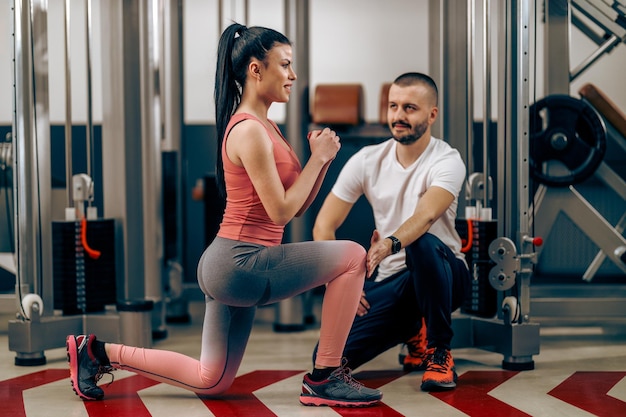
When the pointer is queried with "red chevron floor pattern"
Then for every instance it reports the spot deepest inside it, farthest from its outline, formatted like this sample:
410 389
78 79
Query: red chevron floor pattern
579 372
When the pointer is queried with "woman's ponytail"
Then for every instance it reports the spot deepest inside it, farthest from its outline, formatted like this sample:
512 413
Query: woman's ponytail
227 93
237 46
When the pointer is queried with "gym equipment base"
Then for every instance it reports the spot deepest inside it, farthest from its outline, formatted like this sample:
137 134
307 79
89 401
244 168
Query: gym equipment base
516 342
30 338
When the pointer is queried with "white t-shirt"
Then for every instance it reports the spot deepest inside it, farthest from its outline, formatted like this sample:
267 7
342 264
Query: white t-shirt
393 191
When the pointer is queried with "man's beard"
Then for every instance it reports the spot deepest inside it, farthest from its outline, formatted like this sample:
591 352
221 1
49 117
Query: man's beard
416 133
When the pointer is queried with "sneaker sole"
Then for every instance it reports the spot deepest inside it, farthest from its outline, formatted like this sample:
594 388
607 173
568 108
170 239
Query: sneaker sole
439 386
72 359
309 400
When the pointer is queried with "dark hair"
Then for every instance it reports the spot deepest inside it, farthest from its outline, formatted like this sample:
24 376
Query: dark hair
413 78
237 46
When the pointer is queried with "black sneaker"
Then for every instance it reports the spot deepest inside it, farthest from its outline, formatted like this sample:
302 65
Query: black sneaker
85 370
340 389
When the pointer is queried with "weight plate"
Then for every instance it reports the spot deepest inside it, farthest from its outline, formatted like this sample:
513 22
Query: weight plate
567 140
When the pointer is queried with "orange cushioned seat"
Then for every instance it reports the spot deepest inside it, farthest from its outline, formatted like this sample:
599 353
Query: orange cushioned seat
383 103
338 104
605 106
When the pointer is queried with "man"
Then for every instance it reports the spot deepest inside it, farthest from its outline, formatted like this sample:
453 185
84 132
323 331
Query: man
416 271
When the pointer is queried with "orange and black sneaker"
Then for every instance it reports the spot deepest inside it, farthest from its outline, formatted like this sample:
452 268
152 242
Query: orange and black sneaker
440 374
412 355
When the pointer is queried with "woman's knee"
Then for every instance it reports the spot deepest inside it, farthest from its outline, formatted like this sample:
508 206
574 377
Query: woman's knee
356 248
356 254
214 383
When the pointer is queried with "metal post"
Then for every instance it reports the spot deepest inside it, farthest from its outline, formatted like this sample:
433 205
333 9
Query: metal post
89 127
436 57
31 165
449 67
171 83
297 30
556 47
471 51
122 168
32 148
514 134
68 105
151 127
486 98
131 148
290 312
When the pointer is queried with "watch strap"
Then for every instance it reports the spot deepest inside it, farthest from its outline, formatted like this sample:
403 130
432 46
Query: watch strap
395 244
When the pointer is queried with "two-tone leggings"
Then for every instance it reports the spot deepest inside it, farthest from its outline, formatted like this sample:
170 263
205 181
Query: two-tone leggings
237 277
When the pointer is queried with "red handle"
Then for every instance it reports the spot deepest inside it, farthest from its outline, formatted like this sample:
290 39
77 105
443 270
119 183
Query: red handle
93 254
470 238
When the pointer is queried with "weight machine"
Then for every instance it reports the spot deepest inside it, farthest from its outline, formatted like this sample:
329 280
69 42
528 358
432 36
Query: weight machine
141 132
570 131
577 147
505 262
529 137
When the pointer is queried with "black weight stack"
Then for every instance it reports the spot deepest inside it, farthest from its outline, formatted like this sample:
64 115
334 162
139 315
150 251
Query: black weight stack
83 284
482 299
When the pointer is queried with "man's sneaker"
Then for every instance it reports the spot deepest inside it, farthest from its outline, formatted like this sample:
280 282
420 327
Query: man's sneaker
412 355
85 370
340 389
440 374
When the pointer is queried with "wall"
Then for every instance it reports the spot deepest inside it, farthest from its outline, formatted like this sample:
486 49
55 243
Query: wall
351 41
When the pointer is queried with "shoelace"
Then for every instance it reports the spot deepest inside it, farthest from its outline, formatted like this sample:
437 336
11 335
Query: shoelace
438 361
102 370
343 373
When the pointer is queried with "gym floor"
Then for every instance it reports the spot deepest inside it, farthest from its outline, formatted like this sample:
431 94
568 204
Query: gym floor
580 371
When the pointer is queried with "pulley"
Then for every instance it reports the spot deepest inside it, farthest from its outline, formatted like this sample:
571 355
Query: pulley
567 140
504 253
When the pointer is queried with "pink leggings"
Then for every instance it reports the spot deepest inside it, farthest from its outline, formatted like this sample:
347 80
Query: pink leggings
236 278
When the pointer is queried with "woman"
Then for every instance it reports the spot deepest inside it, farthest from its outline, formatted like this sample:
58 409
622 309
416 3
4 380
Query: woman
246 265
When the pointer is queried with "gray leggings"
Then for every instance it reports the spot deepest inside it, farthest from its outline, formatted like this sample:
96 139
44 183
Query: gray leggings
237 277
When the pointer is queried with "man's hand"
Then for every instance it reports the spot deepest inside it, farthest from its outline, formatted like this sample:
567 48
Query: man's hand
379 250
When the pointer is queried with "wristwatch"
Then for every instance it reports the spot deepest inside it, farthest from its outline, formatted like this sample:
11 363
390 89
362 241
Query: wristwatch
395 244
